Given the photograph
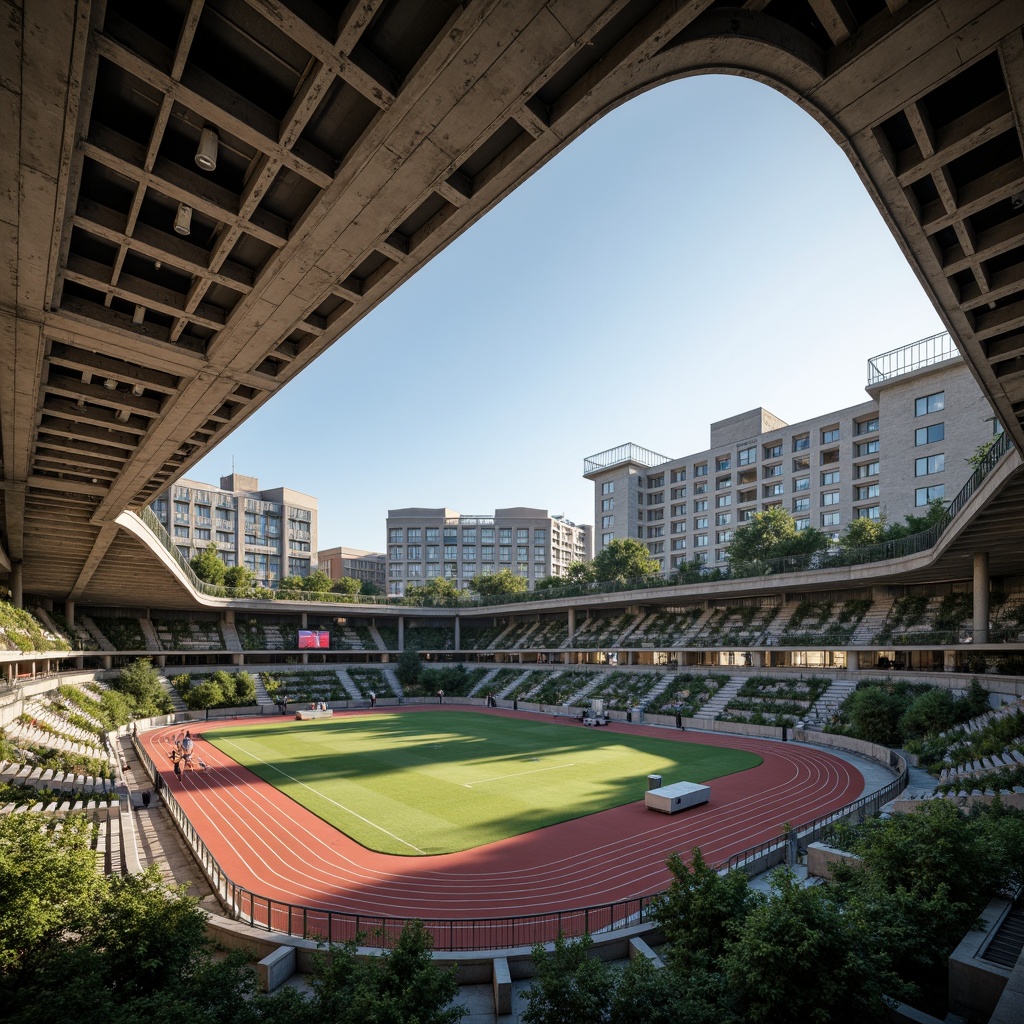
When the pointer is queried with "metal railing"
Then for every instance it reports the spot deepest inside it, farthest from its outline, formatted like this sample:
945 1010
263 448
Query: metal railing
918 355
454 934
623 453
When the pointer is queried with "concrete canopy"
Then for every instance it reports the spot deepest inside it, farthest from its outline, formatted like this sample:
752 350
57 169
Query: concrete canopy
352 142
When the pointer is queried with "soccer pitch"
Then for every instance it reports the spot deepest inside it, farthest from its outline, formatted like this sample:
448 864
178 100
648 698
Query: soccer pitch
417 784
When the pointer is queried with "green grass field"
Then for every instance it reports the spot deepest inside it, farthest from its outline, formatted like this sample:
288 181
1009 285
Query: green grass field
448 781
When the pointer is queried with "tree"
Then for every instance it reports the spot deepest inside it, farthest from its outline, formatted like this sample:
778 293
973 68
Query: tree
580 573
773 534
623 560
874 713
403 986
700 908
140 681
48 884
981 452
239 578
409 667
569 985
207 694
317 582
498 584
862 532
370 589
208 566
437 591
349 586
797 958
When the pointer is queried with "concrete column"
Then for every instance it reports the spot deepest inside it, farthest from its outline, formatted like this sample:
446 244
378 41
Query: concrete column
572 625
238 659
305 620
69 613
17 599
981 583
757 659
161 660
108 662
458 633
229 616
305 657
401 632
79 663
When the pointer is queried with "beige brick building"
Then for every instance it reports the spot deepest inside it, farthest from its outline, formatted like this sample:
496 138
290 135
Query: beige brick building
427 543
365 566
272 531
889 456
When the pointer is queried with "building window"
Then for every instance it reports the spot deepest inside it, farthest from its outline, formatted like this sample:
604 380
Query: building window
700 488
772 490
656 499
829 518
679 527
802 483
433 534
723 482
701 470
929 435
773 451
803 522
540 536
700 523
539 553
723 519
865 448
866 493
469 535
679 544
723 463
607 522
830 498
801 504
415 552
929 464
723 536
607 538
868 469
700 506
830 436
522 536
678 492
656 481
926 495
829 478
677 475
723 501
770 471
867 426
930 403
801 462
655 531
655 514
747 456
486 534
181 531
607 504
679 510
801 443
608 487
700 541
395 535
413 535
871 512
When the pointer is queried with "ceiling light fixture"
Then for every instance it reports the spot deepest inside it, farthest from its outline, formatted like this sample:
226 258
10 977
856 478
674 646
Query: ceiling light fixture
110 384
158 264
206 154
139 315
137 390
183 219
122 415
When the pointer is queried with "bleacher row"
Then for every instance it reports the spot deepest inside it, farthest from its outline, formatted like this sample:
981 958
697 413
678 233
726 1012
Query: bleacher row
901 620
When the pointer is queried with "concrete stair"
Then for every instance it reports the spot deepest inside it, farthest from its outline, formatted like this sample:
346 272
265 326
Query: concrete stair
176 702
230 634
378 639
350 687
96 633
871 625
149 633
714 707
828 704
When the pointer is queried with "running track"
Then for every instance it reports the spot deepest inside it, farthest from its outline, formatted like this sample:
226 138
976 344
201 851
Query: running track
270 845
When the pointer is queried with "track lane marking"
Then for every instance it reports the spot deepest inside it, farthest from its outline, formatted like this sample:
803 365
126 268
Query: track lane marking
347 810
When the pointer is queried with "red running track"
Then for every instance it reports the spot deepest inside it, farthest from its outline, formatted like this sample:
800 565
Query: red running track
267 843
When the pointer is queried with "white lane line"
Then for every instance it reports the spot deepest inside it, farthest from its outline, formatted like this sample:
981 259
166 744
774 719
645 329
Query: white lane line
515 775
347 810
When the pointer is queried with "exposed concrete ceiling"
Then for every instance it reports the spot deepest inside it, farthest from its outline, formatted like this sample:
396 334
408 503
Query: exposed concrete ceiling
354 142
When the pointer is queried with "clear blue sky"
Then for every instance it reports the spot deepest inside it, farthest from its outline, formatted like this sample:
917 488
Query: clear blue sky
703 250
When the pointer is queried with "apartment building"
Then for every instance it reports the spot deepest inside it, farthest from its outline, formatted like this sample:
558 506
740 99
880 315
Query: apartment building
427 543
889 456
272 531
365 566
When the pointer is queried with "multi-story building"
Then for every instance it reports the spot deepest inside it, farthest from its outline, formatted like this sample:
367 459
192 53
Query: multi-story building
426 543
365 566
271 532
890 456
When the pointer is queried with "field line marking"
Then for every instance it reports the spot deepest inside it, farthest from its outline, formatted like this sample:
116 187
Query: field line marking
347 810
515 775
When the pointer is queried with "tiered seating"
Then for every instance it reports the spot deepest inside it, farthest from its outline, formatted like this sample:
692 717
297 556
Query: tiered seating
547 636
823 622
910 617
476 637
1008 621
686 693
123 634
734 626
601 631
624 690
765 700
515 635
301 686
19 631
557 688
665 629
367 679
188 635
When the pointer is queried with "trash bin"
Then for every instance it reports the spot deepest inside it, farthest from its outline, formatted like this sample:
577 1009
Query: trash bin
654 782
